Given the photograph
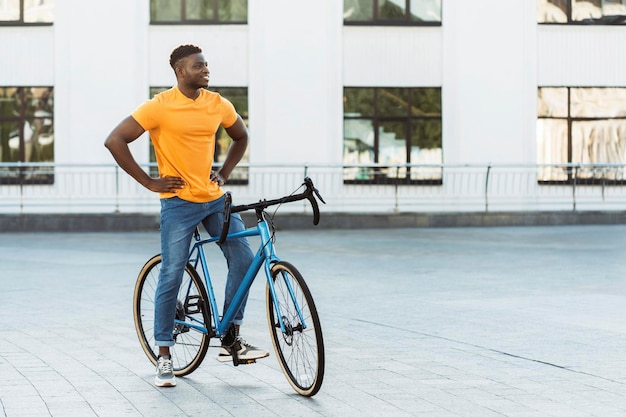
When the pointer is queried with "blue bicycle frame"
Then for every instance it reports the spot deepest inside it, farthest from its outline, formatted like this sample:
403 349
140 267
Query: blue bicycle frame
265 255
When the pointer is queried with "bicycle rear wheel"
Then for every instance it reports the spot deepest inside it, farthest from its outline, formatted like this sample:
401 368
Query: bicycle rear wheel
192 307
300 348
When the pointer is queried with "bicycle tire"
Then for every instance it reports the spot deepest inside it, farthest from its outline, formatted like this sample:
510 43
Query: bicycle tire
191 344
300 352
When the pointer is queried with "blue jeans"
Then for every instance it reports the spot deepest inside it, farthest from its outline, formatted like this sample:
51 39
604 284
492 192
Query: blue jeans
179 219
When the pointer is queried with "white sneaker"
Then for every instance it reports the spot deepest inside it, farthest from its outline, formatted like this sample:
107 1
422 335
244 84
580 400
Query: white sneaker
245 352
164 373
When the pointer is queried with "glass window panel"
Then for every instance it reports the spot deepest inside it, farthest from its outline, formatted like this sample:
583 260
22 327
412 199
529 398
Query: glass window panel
598 102
552 11
38 11
358 148
358 102
614 7
38 127
599 142
552 102
232 10
392 9
10 102
358 144
426 134
426 149
165 10
408 130
552 145
392 147
239 97
358 10
9 141
426 10
393 102
586 10
426 102
199 10
10 10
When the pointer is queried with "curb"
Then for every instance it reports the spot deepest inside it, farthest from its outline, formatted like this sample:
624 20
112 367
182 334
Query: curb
116 222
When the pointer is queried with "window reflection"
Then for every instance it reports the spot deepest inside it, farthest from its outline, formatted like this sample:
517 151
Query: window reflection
584 10
26 124
391 9
598 102
198 11
386 12
552 102
10 10
552 148
552 11
232 10
26 132
426 10
38 11
597 12
358 148
358 10
392 126
34 11
165 10
591 129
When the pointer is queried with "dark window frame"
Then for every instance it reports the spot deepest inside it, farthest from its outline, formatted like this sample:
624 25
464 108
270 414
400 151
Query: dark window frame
570 120
184 21
377 21
21 21
604 21
379 176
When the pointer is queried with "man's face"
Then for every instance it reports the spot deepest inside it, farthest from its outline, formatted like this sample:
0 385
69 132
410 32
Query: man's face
196 71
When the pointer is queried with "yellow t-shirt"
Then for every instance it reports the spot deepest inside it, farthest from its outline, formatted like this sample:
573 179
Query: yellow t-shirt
182 131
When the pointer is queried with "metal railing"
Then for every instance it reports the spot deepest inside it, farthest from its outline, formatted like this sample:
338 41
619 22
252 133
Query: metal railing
72 188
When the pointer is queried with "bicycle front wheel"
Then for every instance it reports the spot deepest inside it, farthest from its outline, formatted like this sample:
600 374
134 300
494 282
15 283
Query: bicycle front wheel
192 307
300 346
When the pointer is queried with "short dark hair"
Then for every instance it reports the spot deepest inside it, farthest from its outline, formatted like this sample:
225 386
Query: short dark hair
183 51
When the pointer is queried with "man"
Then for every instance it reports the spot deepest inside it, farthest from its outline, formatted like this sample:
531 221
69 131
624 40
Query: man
182 122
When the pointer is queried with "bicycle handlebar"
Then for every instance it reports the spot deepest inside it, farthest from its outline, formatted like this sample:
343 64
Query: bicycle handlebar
310 194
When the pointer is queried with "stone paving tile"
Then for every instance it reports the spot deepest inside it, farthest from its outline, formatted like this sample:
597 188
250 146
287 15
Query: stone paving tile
515 322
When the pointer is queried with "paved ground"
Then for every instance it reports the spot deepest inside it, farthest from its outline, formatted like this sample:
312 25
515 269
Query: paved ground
527 321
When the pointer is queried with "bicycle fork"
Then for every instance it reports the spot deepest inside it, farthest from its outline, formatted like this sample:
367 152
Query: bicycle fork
286 329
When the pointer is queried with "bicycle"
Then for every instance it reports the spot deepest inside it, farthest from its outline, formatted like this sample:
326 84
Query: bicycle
293 320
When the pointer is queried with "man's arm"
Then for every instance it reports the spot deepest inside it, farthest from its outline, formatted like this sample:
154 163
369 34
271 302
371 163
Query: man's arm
239 134
117 143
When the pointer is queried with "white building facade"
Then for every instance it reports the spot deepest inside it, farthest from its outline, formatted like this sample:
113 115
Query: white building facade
487 61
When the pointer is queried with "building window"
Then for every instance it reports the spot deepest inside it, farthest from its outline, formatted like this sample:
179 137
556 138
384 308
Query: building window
26 12
581 125
239 97
392 12
198 12
582 12
26 133
390 128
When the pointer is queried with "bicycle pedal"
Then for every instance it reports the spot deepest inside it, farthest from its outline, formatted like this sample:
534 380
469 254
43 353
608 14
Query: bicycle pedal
246 361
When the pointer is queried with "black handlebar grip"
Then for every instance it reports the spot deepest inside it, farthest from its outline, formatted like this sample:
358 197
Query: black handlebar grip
311 197
228 200
316 209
